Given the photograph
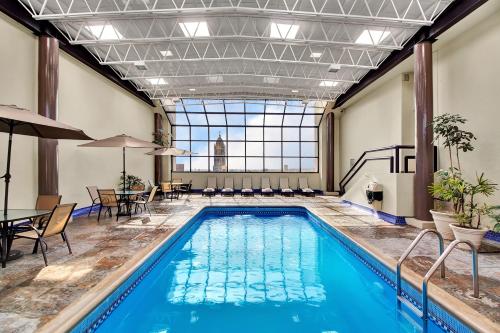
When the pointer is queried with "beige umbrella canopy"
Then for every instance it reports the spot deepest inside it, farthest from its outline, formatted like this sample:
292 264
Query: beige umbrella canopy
14 120
172 151
121 141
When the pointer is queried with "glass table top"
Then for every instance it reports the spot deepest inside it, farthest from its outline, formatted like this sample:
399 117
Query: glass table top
21 214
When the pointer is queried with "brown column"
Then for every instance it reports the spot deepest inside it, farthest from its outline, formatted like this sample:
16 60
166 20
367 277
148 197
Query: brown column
158 159
330 150
424 156
48 82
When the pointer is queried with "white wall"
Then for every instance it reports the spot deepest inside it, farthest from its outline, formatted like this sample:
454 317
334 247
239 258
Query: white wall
87 101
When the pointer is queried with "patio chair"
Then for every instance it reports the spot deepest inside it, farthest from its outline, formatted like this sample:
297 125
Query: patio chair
284 188
247 187
108 201
186 188
45 202
56 225
146 201
211 187
94 196
228 189
266 187
304 188
168 191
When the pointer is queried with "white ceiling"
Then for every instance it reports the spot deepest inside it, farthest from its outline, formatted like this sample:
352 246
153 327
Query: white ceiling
272 49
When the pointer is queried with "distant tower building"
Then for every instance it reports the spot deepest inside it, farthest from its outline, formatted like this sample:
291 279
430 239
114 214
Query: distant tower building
219 155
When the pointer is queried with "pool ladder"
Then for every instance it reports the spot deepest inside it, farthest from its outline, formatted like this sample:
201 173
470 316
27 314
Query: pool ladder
443 253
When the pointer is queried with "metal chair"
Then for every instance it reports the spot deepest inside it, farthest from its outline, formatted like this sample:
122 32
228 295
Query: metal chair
108 200
94 196
145 202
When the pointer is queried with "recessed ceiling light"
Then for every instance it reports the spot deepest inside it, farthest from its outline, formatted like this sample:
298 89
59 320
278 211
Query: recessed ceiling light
106 31
372 37
328 84
166 53
316 54
195 29
140 65
192 89
284 31
295 91
157 81
215 79
271 80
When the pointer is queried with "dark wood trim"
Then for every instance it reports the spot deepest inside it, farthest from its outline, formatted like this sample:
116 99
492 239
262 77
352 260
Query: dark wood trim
452 15
158 126
330 152
17 12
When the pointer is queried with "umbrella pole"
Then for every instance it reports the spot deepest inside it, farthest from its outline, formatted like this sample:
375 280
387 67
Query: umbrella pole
7 173
124 174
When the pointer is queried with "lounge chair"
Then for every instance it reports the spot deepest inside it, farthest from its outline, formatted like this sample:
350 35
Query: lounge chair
146 201
284 188
108 201
304 188
228 189
266 187
211 187
247 187
56 224
94 196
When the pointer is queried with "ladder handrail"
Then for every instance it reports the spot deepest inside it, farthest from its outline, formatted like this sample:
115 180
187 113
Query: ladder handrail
427 277
405 255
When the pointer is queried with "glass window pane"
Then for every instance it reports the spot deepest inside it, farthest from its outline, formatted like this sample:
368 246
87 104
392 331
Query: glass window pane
291 149
309 149
292 120
255 164
294 109
272 134
254 149
291 165
291 134
199 148
236 164
236 133
216 131
180 132
187 101
177 118
218 164
309 134
214 107
254 119
272 149
199 133
254 108
235 119
272 164
221 148
314 110
273 120
181 164
194 108
181 145
199 163
197 119
235 107
273 108
254 133
311 120
309 165
236 148
216 119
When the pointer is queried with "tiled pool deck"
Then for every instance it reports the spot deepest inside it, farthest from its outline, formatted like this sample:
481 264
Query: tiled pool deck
32 294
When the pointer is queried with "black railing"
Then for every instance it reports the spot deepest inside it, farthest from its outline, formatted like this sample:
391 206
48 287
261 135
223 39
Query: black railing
394 162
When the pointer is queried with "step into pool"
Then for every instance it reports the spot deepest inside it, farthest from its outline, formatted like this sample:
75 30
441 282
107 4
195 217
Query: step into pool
273 269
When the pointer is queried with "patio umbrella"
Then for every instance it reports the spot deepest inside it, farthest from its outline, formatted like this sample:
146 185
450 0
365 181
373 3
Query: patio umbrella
14 120
172 151
122 141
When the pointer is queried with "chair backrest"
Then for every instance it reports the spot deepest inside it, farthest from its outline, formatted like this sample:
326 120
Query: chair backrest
93 192
212 182
303 183
247 183
152 193
265 182
108 198
58 219
47 202
165 187
228 182
284 183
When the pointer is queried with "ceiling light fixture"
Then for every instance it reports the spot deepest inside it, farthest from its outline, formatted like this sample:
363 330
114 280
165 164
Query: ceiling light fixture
283 31
328 84
372 37
104 32
316 54
195 29
215 79
157 81
166 53
295 91
192 89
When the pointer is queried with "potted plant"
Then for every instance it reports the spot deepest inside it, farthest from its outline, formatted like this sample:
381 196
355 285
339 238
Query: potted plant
468 226
449 182
133 183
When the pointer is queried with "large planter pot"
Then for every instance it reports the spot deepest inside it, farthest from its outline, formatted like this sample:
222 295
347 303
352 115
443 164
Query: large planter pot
442 220
137 187
475 236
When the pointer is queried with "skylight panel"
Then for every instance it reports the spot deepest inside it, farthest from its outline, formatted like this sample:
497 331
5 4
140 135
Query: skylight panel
166 53
372 37
283 31
104 32
328 84
271 80
157 81
195 29
316 54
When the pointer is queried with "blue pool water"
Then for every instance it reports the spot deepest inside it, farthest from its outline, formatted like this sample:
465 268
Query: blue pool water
248 273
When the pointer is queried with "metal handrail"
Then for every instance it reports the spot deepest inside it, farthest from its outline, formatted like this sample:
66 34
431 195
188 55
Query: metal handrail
410 248
427 277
